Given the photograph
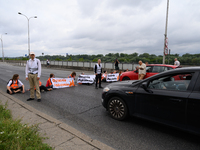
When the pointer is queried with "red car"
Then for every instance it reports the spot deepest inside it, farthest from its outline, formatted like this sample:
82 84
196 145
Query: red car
151 69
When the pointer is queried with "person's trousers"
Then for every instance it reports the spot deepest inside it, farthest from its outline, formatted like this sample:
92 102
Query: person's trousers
15 90
141 76
98 78
33 81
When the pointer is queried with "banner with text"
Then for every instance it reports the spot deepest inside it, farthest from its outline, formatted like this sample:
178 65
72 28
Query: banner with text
112 77
62 82
86 79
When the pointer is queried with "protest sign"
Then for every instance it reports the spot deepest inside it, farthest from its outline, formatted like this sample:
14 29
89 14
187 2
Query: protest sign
86 79
112 77
62 82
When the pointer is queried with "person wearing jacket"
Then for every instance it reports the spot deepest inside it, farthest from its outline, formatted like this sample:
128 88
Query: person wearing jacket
98 71
15 85
49 83
72 75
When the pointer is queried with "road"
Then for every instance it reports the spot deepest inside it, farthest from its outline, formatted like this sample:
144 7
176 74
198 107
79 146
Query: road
81 108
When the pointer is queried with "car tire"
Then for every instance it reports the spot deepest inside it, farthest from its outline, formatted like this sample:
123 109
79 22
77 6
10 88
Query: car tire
125 78
117 108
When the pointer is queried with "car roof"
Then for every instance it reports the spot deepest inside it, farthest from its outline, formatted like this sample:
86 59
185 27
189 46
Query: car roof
162 65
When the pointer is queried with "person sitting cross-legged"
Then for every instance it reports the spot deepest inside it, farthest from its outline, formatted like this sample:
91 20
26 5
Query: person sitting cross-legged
15 85
49 84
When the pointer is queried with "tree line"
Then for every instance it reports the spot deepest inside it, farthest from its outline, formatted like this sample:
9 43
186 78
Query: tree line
185 59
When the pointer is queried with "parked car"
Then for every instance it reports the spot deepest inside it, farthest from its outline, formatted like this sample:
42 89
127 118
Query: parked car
151 69
162 98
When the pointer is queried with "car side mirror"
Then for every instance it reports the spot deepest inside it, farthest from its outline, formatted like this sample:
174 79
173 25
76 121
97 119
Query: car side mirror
145 87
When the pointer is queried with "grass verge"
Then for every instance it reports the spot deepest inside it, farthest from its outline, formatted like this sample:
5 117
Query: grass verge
17 136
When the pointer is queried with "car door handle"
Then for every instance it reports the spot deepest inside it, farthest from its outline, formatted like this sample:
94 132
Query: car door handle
175 100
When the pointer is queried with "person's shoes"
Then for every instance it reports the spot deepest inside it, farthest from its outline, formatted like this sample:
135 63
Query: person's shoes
39 100
96 87
30 99
50 89
101 87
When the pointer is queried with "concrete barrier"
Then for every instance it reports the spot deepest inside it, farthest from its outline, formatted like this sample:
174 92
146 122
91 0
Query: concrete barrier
89 66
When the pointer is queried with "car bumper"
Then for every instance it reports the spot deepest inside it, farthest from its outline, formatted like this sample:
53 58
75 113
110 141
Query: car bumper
103 99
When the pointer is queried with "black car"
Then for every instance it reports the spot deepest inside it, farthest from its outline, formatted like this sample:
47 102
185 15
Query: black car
171 98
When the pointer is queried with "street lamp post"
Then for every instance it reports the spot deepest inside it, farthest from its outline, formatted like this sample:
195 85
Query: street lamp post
2 48
28 29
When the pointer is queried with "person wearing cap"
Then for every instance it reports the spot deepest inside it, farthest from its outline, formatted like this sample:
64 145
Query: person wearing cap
33 73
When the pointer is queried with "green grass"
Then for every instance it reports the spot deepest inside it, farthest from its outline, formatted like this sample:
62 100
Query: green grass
17 136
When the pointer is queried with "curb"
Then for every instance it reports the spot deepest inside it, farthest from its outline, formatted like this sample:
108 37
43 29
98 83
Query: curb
95 143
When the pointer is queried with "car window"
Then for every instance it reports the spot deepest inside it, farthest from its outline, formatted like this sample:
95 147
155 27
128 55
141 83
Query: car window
158 69
169 68
149 69
178 82
165 68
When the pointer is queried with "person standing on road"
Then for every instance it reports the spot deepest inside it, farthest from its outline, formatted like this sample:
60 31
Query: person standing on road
98 71
48 63
142 70
116 64
33 73
176 62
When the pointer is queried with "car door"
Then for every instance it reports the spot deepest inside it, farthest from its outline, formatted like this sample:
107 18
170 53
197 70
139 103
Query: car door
193 109
149 72
164 103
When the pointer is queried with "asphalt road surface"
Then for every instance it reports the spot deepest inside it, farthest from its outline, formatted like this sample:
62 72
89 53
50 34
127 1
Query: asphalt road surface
81 108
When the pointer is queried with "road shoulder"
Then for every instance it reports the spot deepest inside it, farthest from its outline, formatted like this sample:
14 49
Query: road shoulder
60 135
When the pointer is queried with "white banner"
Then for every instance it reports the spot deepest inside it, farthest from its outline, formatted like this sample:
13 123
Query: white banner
62 82
112 77
86 79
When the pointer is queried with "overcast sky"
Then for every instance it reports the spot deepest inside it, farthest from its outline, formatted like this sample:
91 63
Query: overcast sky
99 26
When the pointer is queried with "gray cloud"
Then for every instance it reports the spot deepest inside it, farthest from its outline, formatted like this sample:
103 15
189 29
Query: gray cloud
88 26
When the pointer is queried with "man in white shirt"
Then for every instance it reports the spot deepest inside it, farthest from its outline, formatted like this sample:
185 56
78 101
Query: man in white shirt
33 73
141 70
176 63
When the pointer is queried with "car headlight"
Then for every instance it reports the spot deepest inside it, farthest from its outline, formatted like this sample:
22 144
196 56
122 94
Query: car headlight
106 89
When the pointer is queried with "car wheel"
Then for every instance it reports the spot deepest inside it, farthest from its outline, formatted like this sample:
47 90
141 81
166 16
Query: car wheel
125 78
117 108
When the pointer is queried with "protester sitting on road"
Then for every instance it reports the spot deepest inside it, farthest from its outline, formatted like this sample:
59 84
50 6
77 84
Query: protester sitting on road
49 83
42 87
82 73
120 73
104 76
126 70
72 75
15 85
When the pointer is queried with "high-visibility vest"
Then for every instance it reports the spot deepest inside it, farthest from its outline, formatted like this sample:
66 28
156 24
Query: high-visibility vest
98 71
14 85
49 80
103 76
70 76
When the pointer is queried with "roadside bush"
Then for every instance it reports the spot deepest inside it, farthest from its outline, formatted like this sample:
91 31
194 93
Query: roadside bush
17 136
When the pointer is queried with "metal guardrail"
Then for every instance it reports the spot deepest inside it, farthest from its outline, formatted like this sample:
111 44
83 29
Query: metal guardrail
122 66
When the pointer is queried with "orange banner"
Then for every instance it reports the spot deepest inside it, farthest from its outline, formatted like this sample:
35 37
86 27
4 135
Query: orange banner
62 82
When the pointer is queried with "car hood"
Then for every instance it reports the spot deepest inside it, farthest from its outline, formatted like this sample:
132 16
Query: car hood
123 83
